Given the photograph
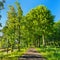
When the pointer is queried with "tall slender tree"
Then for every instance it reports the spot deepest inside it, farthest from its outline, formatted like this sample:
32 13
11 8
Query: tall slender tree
11 23
19 18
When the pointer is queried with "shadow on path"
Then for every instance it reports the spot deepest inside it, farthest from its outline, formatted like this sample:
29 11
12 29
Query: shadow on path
31 54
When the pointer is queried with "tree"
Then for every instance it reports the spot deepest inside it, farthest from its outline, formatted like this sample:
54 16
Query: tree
19 18
56 33
11 23
41 21
5 38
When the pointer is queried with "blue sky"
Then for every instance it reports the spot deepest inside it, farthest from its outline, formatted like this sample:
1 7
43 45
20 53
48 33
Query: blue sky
27 5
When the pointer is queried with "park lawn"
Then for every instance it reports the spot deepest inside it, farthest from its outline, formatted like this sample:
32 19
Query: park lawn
50 53
12 55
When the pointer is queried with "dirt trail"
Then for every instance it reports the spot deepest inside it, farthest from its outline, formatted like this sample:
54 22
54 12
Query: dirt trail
31 54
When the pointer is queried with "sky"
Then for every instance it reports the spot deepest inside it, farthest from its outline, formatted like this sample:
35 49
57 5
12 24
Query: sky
27 5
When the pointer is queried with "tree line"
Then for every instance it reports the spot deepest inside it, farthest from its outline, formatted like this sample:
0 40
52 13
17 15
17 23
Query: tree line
36 28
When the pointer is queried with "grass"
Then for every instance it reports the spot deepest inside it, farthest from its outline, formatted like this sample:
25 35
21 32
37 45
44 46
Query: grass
50 53
12 55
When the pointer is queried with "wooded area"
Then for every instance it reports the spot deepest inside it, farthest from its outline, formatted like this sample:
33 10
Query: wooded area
36 29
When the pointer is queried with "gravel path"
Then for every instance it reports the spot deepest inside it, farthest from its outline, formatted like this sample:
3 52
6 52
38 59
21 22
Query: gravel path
31 54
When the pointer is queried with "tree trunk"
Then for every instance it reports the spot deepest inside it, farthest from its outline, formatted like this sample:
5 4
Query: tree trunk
19 43
43 38
38 40
38 43
12 48
7 50
19 37
19 46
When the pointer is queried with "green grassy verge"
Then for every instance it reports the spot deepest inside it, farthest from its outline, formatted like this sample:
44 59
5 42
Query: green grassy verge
12 55
50 53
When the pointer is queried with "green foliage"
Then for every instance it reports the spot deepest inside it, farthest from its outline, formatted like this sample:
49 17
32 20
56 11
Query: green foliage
40 20
12 28
35 29
50 53
1 5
